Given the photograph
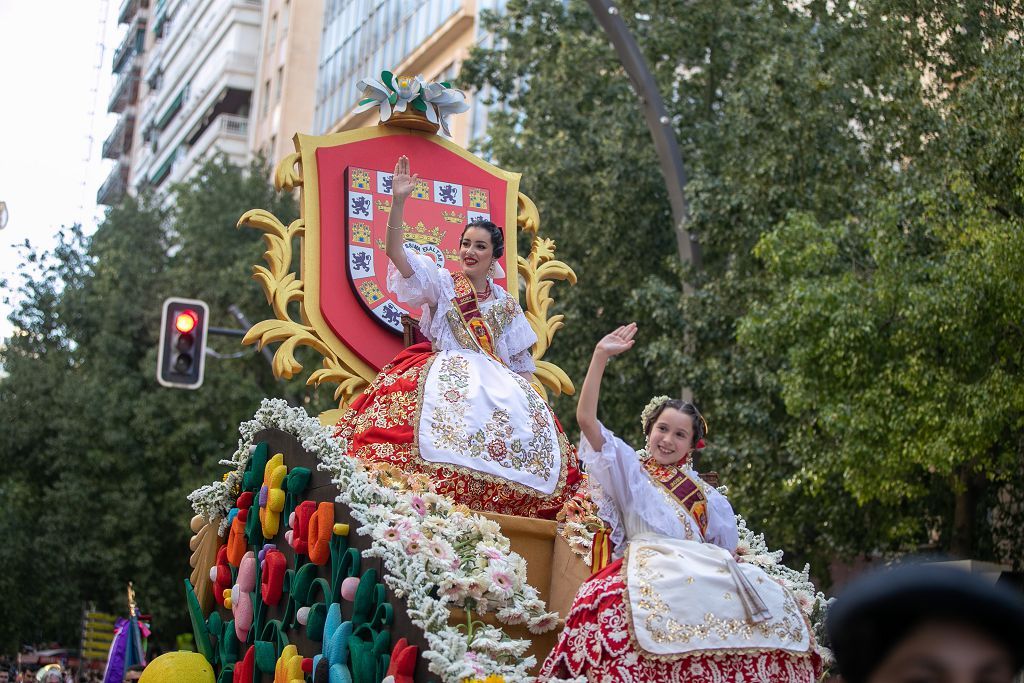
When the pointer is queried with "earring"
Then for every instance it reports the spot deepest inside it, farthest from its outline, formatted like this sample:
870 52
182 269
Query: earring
490 271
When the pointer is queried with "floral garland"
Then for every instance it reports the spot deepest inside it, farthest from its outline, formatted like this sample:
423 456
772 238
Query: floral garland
578 523
436 554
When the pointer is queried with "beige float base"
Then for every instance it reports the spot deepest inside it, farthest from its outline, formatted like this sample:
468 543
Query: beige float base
551 567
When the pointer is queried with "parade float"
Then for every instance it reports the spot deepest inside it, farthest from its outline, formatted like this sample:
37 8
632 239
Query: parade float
313 565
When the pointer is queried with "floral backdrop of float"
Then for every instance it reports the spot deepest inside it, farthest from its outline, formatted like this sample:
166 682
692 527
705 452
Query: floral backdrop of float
289 596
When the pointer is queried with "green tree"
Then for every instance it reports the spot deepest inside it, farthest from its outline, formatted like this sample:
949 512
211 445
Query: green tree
100 458
789 115
901 326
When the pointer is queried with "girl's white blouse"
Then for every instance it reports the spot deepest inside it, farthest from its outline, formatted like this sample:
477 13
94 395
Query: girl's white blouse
627 499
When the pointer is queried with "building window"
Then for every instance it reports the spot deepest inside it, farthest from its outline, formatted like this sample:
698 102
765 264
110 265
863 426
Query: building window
266 97
272 36
286 18
280 81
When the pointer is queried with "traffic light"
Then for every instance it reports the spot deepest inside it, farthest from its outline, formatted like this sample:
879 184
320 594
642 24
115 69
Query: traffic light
183 328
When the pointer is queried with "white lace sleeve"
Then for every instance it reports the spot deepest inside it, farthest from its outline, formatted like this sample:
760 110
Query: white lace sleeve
522 362
423 287
623 494
516 339
428 286
721 521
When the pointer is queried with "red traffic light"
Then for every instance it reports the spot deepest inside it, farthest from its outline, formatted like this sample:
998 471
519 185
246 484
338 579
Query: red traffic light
185 321
183 327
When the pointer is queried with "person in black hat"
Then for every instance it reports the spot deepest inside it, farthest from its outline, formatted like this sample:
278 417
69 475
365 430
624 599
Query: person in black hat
924 624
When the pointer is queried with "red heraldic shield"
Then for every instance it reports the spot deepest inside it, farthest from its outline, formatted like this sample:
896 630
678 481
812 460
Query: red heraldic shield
454 189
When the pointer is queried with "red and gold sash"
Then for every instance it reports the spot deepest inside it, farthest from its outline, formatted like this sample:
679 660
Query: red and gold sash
466 303
684 489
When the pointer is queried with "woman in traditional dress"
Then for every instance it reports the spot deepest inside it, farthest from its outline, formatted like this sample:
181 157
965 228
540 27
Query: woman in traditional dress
460 409
678 606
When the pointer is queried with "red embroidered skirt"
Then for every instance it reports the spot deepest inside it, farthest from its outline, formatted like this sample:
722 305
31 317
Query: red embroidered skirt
381 424
596 643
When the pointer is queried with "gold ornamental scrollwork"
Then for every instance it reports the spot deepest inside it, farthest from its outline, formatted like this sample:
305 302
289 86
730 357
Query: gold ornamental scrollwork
539 271
288 174
282 287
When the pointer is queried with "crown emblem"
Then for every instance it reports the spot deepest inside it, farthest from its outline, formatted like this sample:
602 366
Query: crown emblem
360 179
371 292
384 205
421 235
453 216
360 233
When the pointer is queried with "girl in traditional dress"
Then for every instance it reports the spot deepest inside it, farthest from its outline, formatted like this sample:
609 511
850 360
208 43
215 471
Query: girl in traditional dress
460 409
678 606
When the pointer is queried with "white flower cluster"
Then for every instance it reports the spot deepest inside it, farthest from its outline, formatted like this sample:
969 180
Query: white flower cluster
436 555
813 603
651 408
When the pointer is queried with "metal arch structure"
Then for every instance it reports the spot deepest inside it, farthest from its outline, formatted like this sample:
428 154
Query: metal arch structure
658 122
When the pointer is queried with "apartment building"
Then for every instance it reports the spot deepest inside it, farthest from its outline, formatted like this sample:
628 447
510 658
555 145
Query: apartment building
241 77
124 99
286 75
189 68
409 37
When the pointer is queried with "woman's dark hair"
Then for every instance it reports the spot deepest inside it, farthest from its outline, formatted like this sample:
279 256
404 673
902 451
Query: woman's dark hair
684 407
497 238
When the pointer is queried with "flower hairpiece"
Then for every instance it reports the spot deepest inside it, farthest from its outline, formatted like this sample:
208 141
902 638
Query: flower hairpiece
651 408
655 404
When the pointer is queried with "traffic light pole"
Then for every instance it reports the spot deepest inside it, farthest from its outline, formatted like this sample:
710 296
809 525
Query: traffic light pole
234 310
235 332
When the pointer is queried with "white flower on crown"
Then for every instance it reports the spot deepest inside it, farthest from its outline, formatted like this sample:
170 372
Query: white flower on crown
442 102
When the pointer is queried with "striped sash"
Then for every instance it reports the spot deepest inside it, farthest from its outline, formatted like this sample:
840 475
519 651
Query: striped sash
684 488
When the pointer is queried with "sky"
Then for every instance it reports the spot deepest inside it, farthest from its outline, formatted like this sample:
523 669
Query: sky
55 81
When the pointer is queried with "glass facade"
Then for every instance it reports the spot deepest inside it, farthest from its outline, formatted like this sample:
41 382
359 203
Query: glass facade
362 38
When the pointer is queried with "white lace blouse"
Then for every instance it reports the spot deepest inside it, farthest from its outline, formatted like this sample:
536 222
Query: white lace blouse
433 289
630 502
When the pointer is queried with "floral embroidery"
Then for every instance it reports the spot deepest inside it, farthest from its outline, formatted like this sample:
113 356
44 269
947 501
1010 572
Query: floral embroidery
596 644
493 442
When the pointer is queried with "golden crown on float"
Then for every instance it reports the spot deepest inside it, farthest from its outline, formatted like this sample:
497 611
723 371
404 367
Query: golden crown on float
412 102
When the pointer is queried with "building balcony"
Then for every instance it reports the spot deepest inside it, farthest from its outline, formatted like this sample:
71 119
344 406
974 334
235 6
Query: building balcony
119 142
132 46
164 169
125 92
160 17
114 187
154 66
129 9
125 50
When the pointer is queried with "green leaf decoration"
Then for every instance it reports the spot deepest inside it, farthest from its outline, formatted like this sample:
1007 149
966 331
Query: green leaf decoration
199 628
419 105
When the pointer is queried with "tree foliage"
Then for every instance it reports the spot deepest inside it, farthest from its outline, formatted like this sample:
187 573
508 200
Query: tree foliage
97 457
854 183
